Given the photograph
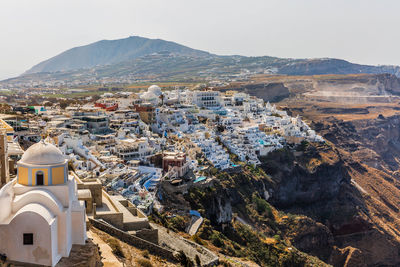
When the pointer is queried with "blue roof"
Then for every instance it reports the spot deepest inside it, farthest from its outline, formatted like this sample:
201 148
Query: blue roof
194 213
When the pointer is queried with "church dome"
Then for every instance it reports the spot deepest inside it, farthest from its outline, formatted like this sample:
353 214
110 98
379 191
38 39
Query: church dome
149 96
155 89
43 153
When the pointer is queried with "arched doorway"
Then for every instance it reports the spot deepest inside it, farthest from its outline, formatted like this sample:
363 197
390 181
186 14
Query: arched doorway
39 178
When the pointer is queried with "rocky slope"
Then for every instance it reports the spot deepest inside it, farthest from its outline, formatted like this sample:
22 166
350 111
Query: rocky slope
330 186
339 218
355 88
376 142
332 66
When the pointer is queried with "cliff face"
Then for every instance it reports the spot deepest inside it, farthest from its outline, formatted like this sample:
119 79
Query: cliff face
219 210
357 203
337 219
375 142
305 177
390 83
371 151
357 88
235 205
272 92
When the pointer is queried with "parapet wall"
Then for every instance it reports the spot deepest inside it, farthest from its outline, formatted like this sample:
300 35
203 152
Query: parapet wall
116 219
134 240
148 234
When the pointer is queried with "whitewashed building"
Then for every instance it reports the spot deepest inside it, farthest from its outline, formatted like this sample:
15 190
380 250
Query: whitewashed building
40 216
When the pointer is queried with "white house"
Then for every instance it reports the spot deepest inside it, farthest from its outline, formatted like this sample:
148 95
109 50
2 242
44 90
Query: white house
206 99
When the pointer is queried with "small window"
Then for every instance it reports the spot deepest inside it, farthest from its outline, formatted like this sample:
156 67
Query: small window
28 239
39 178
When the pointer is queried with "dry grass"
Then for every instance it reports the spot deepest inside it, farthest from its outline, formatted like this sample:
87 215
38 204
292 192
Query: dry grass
270 241
134 257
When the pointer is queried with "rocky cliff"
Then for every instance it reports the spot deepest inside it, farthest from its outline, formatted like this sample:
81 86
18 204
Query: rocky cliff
336 219
376 142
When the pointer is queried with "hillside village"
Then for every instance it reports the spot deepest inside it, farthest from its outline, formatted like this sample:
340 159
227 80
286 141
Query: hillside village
120 147
157 135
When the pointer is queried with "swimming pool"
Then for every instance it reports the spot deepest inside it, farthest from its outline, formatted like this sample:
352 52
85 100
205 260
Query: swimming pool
199 179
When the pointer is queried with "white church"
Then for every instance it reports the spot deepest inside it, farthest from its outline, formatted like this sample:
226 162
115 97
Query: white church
40 215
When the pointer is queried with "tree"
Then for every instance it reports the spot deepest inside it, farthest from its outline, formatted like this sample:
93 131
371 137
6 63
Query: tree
162 99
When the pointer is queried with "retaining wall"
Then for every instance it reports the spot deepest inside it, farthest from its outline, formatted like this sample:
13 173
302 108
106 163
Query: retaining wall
134 240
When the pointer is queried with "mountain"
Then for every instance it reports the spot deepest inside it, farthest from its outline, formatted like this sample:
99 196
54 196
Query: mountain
137 58
111 51
334 66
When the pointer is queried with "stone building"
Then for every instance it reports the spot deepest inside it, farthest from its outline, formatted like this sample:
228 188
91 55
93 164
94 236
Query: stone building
176 161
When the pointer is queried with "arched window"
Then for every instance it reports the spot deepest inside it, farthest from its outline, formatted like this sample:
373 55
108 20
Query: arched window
39 178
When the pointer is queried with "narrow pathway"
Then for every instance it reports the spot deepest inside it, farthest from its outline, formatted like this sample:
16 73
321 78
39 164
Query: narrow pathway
195 226
108 258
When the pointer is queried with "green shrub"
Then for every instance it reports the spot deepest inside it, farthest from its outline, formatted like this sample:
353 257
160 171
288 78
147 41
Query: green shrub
216 240
205 230
213 171
302 146
178 223
277 237
262 206
198 240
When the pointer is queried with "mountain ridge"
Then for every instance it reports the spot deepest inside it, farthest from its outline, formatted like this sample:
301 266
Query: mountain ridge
137 58
106 52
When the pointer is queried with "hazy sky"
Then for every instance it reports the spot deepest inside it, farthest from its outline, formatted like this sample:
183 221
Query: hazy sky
362 31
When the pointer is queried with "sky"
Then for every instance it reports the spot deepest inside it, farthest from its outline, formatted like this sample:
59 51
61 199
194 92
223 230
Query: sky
361 31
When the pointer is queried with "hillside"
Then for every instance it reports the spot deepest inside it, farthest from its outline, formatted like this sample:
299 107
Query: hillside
333 66
313 199
140 59
109 52
338 88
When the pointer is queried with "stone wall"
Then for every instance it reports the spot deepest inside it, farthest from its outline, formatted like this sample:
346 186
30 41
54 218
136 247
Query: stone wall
132 210
136 225
134 240
148 234
135 211
116 219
